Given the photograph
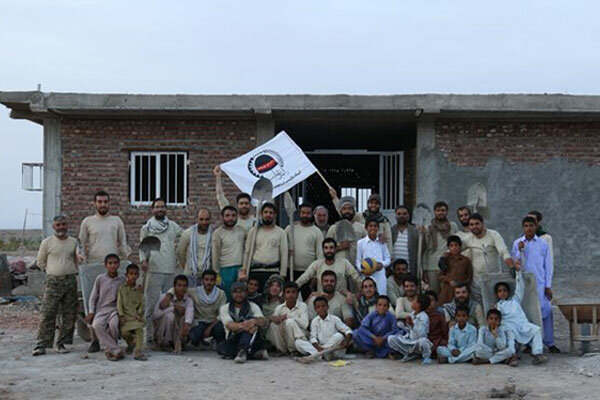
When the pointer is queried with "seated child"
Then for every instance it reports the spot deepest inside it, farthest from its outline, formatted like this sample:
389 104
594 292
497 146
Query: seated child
289 322
413 343
438 328
462 341
254 294
454 268
495 343
173 317
514 318
326 332
130 306
375 328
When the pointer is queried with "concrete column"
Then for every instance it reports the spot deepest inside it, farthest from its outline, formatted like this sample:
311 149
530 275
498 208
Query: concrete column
427 162
52 173
265 126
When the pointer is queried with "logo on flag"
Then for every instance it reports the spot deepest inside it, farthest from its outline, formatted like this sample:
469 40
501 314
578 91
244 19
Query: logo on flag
280 160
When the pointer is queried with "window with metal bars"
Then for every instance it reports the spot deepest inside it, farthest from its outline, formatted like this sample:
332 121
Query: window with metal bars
158 174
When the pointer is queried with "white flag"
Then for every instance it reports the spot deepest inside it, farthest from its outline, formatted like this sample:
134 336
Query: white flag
280 160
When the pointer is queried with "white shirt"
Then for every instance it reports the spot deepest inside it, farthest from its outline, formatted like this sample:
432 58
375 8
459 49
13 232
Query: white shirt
367 248
323 329
298 313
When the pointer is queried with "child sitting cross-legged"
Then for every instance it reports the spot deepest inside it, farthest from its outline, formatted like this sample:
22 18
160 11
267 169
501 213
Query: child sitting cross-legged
462 340
495 343
375 328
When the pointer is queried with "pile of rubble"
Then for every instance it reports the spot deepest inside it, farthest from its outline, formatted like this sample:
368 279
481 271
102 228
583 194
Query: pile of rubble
20 276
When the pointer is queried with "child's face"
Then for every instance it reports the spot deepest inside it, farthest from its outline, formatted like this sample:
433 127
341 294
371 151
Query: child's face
180 288
410 289
461 318
502 293
454 248
372 229
274 289
493 321
432 304
322 308
416 306
382 306
112 266
290 295
252 286
132 276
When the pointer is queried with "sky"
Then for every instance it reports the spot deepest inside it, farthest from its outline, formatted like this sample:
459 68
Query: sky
268 47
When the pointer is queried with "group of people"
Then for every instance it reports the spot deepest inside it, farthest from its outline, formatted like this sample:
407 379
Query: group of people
248 287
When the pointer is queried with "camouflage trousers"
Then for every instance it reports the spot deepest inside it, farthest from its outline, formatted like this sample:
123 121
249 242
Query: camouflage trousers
60 296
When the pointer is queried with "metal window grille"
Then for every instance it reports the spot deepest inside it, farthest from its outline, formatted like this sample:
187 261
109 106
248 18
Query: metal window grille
158 174
360 194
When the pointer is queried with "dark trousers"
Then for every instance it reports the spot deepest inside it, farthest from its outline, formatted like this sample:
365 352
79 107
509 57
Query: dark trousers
240 341
197 332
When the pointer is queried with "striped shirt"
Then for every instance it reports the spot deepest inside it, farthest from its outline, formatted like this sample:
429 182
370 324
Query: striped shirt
401 246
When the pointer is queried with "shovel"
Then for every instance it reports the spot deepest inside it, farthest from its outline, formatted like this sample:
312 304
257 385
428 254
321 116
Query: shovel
147 246
421 216
262 191
290 208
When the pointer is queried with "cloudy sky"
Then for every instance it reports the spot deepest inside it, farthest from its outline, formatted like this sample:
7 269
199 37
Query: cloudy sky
355 47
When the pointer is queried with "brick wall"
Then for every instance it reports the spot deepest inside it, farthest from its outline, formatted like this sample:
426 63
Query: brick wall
96 156
472 143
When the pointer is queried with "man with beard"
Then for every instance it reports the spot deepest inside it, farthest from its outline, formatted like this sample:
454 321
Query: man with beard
462 296
270 254
243 201
338 305
242 319
228 248
306 245
463 214
57 257
373 211
100 234
395 289
160 270
340 266
347 248
436 235
321 215
484 247
194 250
405 240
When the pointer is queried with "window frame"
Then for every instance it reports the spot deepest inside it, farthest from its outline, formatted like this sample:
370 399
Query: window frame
157 155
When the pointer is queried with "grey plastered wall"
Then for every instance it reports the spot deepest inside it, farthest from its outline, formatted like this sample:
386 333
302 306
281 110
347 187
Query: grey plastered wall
52 173
566 192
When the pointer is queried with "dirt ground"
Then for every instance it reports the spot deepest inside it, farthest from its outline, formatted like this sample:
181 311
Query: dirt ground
204 374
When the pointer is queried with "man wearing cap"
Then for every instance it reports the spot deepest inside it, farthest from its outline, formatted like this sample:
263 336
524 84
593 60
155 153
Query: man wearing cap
347 248
373 211
242 319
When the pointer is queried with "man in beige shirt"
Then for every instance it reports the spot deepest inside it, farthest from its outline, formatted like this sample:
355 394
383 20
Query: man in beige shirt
228 249
194 249
57 256
100 234
304 240
270 255
338 305
289 322
347 248
160 269
243 201
342 268
485 247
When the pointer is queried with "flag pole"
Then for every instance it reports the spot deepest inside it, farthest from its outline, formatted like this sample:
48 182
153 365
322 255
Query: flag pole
324 180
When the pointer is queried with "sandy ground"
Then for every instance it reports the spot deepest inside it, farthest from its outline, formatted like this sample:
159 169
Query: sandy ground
204 374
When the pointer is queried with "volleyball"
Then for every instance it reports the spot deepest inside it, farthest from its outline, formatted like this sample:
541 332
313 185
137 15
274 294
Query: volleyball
368 266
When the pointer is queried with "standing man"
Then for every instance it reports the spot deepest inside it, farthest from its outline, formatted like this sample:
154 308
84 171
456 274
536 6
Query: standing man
321 215
100 234
436 236
194 250
270 255
405 239
540 232
228 249
340 266
347 248
160 269
463 214
243 200
57 257
533 255
306 246
484 247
